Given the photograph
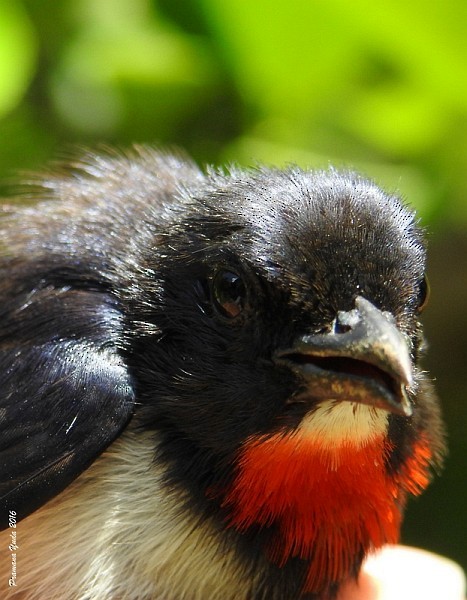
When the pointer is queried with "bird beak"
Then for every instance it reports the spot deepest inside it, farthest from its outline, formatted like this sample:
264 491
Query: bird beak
365 359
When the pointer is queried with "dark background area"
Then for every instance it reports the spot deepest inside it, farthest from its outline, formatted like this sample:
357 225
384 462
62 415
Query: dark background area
379 88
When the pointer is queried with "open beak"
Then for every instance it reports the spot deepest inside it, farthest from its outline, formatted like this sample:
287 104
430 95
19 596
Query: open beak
365 359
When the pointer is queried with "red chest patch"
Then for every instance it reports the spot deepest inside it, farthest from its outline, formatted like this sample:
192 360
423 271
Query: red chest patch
329 504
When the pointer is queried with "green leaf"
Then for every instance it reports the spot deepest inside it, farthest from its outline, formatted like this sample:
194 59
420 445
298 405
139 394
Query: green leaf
17 54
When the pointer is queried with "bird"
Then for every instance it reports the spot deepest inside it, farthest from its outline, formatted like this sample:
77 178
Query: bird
210 379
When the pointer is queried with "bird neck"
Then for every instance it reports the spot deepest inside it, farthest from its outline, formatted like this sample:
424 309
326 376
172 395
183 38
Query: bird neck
328 506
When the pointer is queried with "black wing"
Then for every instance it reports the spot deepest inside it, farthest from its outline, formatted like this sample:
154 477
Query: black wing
65 391
67 263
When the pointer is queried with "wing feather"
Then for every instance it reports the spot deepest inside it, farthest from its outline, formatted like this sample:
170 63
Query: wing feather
65 393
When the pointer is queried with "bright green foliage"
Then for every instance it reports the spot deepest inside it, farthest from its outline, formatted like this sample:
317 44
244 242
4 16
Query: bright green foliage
17 50
378 86
381 86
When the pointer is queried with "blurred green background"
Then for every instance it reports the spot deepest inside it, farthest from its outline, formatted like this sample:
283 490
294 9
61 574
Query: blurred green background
377 86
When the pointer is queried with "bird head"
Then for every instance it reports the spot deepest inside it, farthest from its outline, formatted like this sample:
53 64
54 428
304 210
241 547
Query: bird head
278 352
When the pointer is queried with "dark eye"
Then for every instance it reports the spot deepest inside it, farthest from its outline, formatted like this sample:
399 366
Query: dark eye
229 293
423 293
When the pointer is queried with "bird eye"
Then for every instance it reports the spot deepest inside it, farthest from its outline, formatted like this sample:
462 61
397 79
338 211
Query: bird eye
229 293
423 293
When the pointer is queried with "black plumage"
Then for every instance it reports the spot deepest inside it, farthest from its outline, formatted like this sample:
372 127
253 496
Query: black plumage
139 294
